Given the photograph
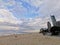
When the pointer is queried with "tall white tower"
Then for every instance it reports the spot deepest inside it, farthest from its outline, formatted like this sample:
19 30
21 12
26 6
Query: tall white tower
53 20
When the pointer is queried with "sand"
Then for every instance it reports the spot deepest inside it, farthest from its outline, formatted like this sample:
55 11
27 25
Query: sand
29 39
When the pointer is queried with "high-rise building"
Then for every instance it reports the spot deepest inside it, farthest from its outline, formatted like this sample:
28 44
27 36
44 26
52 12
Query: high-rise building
49 25
53 20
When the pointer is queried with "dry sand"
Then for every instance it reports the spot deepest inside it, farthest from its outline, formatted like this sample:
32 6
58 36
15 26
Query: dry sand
29 39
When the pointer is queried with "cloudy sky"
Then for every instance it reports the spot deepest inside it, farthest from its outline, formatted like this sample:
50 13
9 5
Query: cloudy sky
27 15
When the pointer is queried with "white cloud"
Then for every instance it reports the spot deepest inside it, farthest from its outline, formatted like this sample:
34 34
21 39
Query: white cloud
8 27
7 2
31 31
34 24
50 7
36 3
46 7
8 18
10 3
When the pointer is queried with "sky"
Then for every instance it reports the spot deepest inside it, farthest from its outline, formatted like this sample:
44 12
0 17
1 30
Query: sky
27 15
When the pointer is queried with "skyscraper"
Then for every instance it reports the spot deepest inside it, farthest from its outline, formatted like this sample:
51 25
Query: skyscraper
49 25
53 20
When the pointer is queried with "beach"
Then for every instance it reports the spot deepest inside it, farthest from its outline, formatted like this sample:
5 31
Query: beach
29 39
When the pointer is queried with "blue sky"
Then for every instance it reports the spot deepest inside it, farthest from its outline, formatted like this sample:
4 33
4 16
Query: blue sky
27 15
22 9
